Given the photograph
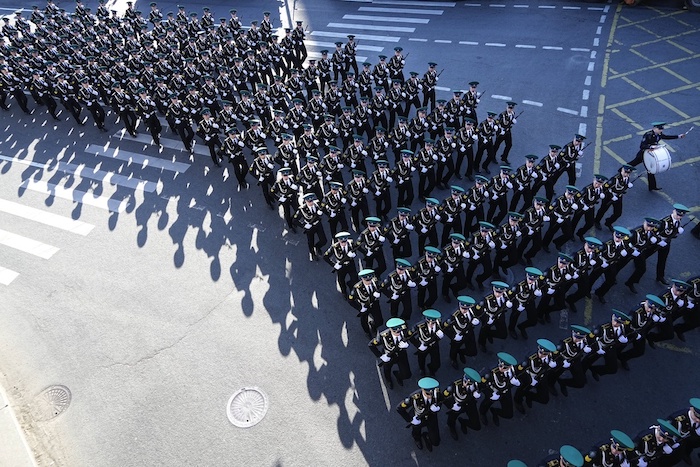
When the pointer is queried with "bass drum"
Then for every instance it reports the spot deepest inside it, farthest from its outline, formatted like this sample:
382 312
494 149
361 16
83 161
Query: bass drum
657 160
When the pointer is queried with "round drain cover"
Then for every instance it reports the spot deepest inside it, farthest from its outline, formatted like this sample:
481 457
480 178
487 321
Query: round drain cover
52 402
247 407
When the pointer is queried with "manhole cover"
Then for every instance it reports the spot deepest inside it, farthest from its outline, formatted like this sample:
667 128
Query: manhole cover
52 402
246 407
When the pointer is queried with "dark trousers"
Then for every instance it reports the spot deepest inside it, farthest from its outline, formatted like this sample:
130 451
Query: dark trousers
485 261
129 119
432 433
374 312
434 352
502 205
315 238
607 203
404 301
50 104
383 203
448 167
448 227
530 316
637 349
240 168
376 261
430 235
504 411
508 139
490 154
467 154
463 348
405 193
346 277
526 194
640 266
402 249
471 218
154 127
578 376
452 281
184 130
339 219
496 330
360 207
98 114
288 209
427 295
661 260
536 239
426 183
471 411
73 106
400 360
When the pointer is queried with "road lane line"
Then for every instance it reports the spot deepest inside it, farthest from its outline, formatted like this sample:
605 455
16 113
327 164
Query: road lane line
7 276
369 27
407 11
535 103
101 202
45 217
364 37
567 111
387 19
140 159
27 245
369 48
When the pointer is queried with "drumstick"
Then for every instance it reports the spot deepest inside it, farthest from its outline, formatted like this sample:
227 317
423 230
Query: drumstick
686 133
689 221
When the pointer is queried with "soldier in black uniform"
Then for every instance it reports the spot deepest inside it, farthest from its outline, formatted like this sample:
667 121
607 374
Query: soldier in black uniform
536 372
66 93
655 445
427 270
533 221
393 341
616 187
611 339
309 217
429 81
381 183
616 453
420 411
262 170
500 185
9 83
650 140
41 88
674 305
643 319
562 211
617 253
481 246
524 177
687 423
444 148
493 319
526 292
334 205
466 137
450 211
487 130
403 172
425 160
506 244
286 192
506 120
426 338
426 222
548 169
88 96
179 119
499 387
397 287
398 232
371 244
586 260
475 199
461 398
208 129
669 228
453 277
574 349
341 256
233 148
569 155
357 190
559 279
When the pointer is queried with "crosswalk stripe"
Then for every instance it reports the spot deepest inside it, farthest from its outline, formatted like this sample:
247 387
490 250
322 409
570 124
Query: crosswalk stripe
166 142
86 172
406 3
369 27
362 37
406 11
7 276
27 245
387 19
144 161
45 217
317 55
331 45
101 202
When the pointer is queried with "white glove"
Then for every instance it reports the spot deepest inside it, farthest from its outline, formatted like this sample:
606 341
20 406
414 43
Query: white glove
614 197
261 178
456 407
605 264
656 318
623 339
410 227
552 364
450 268
535 175
333 214
521 308
680 302
422 347
503 132
556 166
363 309
343 200
546 218
495 396
492 244
376 294
602 196
585 207
630 185
337 266
438 268
450 219
494 197
600 351
593 262
365 190
424 170
690 305
641 462
476 256
353 203
378 192
560 220
530 231
574 206
567 277
538 293
509 304
385 358
518 234
434 408
490 321
294 186
667 449
662 243
472 207
438 217
439 333
544 178
459 337
681 230
587 349
403 345
514 381
394 296
550 291
624 463
382 238
504 246
575 275
369 253
307 226
283 199
533 382
509 185
423 283
415 421
396 241
389 179
475 322
623 253
566 364
411 284
423 230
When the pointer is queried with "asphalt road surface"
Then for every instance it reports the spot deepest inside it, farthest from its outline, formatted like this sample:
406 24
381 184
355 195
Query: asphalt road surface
151 288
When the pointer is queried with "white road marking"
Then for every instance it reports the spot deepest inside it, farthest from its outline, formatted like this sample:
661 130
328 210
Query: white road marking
587 82
594 8
585 95
387 402
599 30
45 217
577 49
584 111
442 41
468 43
406 3
407 11
535 103
593 54
363 37
582 129
525 46
503 98
591 66
497 6
495 44
571 7
7 276
546 6
602 18
551 47
27 245
369 48
387 19
416 39
567 111
521 6
102 202
369 27
166 142
140 159
596 42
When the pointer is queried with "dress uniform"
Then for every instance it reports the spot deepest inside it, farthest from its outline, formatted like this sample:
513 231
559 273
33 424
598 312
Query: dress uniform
687 422
487 129
334 205
506 244
690 319
437 119
444 148
642 320
535 373
427 269
309 217
412 87
669 228
371 244
506 120
357 194
88 96
460 328
618 452
397 287
287 154
426 338
298 36
364 80
390 345
450 211
585 261
286 192
617 186
338 62
396 64
179 119
429 81
361 116
309 177
500 184
454 109
10 83
346 128
349 89
643 240
460 398
475 199
233 148
66 94
493 318
417 127
425 160
533 221
674 304
526 292
307 143
420 411
466 137
380 182
548 169
559 279
378 106
145 108
365 295
399 137
590 196
617 253
562 210
425 222
341 256
398 232
208 129
356 154
655 445
568 456
649 141
262 170
570 154
612 338
481 246
453 277
403 172
499 386
41 88
524 177
274 129
573 351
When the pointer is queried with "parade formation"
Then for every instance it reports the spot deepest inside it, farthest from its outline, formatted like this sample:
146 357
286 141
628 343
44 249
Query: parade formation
330 137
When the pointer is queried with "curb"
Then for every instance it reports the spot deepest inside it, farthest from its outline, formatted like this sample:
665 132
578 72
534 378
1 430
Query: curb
15 449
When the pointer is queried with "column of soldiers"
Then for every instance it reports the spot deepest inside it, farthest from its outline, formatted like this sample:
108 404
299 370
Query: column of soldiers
475 399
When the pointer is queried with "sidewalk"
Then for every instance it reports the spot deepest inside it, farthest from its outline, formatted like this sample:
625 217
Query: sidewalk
14 450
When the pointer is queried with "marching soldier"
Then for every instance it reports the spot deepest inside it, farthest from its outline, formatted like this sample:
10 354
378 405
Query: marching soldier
412 88
617 453
655 445
12 84
307 143
507 250
669 228
309 177
617 187
397 287
486 129
481 246
364 80
262 170
574 349
209 130
66 93
309 217
328 133
287 154
286 192
524 177
643 319
399 136
506 120
569 155
437 119
461 399
616 253
398 232
585 262
429 81
341 256
396 65
417 127
563 208
548 169
381 182
674 304
454 109
233 148
460 329
450 211
420 411
395 97
393 341
357 194
444 148
404 178
426 337
378 105
88 96
687 422
334 205
425 160
590 196
500 184
559 279
146 111
371 244
466 137
380 73
650 140
356 154
426 222
365 295
475 199
499 383
526 292
427 269
41 89
612 339
493 319
568 456
179 119
471 100
691 320
537 370
453 277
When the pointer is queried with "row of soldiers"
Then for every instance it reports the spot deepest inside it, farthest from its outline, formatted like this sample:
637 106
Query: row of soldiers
511 383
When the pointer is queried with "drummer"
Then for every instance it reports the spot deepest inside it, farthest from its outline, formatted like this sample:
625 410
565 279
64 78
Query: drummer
650 140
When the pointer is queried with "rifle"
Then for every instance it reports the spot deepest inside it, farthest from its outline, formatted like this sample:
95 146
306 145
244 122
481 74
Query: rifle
438 75
521 112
